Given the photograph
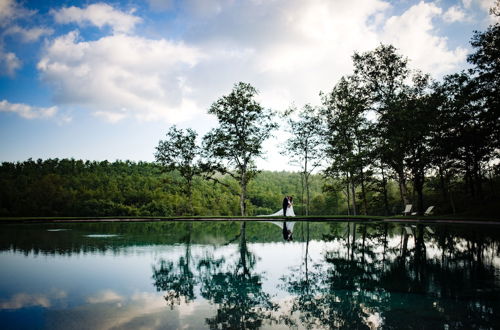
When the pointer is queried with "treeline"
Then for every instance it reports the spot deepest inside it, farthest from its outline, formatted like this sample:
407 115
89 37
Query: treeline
68 187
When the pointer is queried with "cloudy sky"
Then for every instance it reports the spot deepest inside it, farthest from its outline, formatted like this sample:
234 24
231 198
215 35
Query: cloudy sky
105 80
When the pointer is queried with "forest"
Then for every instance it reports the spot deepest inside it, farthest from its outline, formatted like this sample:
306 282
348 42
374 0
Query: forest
384 137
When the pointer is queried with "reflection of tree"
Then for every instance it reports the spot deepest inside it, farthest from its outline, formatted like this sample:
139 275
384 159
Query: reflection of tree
366 282
177 280
241 303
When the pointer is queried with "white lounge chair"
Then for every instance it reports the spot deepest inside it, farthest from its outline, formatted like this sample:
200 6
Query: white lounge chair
429 210
407 210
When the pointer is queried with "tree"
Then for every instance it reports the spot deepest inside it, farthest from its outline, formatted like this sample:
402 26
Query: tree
466 139
348 135
179 152
486 71
384 73
419 121
243 127
304 147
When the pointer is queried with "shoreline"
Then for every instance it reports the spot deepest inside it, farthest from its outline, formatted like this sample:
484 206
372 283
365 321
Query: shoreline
48 220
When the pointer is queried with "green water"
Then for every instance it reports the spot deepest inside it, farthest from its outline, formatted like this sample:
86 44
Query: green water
230 275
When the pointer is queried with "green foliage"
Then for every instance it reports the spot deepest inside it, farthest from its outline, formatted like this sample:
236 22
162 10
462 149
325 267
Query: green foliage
179 152
69 187
233 146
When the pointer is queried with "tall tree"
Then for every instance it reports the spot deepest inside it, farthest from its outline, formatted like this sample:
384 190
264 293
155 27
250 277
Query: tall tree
418 122
385 74
179 152
304 146
348 134
234 145
486 70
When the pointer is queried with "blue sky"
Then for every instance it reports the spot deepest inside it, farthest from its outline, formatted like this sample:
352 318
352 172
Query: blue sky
105 80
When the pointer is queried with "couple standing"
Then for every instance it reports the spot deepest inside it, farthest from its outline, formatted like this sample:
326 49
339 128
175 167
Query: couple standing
288 207
287 210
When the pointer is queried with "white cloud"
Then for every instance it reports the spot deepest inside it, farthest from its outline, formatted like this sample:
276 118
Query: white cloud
28 35
9 63
100 15
10 10
288 49
27 111
120 76
284 48
486 4
454 14
414 33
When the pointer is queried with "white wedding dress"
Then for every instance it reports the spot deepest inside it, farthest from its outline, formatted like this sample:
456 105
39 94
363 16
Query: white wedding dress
279 213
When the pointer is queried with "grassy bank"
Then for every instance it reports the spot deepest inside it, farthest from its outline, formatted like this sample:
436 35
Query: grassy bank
430 219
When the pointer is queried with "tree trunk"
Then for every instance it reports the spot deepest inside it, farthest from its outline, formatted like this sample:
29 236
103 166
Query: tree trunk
402 188
243 192
353 193
190 196
384 192
363 193
308 195
452 202
442 184
477 179
306 179
348 197
418 182
302 191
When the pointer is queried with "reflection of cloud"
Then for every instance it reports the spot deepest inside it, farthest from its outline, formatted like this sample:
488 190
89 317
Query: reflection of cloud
104 296
22 300
142 310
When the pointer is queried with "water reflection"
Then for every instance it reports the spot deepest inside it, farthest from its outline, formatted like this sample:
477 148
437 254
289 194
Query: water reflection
229 283
373 280
249 275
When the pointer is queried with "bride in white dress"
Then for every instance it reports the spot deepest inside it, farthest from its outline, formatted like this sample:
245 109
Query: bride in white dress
279 213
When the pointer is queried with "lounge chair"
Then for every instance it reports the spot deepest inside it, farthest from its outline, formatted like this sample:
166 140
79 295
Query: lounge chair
407 210
429 210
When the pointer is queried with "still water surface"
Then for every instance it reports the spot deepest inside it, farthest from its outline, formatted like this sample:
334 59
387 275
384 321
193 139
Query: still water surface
227 275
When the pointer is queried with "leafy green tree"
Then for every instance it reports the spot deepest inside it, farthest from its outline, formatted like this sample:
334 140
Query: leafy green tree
384 74
179 152
467 138
233 146
419 121
304 148
348 135
486 72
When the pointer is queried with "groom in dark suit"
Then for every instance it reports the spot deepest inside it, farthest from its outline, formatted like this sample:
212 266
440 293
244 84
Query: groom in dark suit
285 205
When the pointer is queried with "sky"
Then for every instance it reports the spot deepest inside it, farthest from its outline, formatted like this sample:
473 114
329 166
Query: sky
104 80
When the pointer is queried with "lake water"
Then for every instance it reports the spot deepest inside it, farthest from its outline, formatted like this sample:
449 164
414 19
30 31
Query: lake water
227 275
